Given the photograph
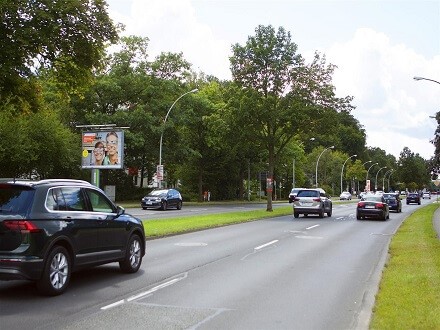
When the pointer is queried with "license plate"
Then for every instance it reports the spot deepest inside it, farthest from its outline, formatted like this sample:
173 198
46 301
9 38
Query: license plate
149 203
369 206
306 204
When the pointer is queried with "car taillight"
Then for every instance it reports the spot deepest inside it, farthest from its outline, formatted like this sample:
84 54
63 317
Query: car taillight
379 205
361 204
21 225
296 199
317 199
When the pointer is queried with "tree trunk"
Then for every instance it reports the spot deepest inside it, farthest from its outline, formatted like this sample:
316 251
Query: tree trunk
200 185
269 186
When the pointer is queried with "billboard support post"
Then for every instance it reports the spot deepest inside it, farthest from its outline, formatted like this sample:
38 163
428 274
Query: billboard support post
95 177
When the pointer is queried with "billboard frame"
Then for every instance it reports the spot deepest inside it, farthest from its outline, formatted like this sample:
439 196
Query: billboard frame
98 138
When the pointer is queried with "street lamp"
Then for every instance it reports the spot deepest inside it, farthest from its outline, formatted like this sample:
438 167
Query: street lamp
366 162
421 78
383 180
342 171
316 170
375 183
384 176
368 171
161 135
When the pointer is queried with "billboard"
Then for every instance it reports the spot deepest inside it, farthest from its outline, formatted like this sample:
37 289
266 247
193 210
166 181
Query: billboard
103 149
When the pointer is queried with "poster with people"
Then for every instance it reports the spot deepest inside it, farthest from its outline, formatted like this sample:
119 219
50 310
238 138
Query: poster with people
103 149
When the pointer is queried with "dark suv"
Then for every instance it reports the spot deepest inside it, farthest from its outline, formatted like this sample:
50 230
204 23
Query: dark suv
50 228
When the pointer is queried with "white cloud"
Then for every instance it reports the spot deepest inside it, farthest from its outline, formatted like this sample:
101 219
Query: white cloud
172 26
379 74
374 68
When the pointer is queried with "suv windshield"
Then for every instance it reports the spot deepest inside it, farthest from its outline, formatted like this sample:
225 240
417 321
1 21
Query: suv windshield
15 199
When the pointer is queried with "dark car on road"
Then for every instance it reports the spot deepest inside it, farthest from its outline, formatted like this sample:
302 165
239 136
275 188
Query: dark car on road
312 201
372 206
162 199
394 202
413 198
50 228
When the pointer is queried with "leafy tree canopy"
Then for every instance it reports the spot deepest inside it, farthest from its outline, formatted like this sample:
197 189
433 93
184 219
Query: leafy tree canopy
68 36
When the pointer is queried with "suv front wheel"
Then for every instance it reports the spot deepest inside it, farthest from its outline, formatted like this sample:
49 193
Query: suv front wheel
56 272
133 256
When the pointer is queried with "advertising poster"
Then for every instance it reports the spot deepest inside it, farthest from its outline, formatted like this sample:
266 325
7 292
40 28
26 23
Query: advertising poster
103 149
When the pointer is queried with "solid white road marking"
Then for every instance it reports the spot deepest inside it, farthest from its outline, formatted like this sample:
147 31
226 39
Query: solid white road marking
143 294
163 285
191 244
309 237
264 245
312 227
120 302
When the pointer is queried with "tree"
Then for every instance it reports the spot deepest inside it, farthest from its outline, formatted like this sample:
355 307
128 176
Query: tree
434 162
413 170
356 172
280 93
68 36
37 145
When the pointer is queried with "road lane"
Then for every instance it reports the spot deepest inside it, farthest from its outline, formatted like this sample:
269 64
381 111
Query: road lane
316 272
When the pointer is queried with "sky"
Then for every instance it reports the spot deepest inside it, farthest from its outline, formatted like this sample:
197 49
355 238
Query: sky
377 46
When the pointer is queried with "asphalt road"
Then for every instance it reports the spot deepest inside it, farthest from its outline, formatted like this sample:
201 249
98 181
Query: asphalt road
278 273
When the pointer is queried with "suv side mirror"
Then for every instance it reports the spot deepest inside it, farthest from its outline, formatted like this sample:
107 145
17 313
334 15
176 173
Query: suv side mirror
120 210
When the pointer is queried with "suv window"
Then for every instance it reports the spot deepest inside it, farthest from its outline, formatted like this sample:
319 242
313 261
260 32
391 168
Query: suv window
308 193
65 199
99 202
15 199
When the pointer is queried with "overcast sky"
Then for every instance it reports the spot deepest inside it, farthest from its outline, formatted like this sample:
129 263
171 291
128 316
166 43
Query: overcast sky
378 47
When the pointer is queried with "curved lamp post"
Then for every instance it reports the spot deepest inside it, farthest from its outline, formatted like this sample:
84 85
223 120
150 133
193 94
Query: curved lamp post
316 170
368 171
164 121
366 162
383 180
421 78
342 171
389 179
375 183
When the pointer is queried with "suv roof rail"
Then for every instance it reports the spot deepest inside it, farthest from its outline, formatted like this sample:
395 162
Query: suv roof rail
61 180
44 181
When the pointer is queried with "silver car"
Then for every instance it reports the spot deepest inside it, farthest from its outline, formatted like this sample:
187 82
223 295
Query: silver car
312 201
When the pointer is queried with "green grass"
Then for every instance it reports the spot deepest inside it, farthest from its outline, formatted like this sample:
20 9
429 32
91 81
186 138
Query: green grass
171 226
409 292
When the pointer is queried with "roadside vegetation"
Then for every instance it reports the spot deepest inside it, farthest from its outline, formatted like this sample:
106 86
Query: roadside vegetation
266 127
409 294
171 226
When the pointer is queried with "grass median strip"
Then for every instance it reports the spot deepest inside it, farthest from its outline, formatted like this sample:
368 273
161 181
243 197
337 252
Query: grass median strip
409 294
171 226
